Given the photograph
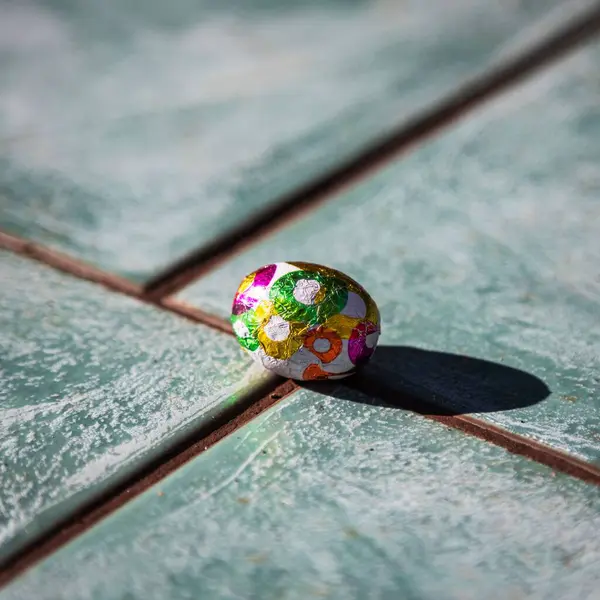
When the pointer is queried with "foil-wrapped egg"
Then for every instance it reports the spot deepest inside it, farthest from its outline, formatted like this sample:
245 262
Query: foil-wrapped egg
305 321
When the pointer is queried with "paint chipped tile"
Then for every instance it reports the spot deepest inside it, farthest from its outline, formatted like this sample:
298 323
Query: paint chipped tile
482 245
336 497
130 137
93 385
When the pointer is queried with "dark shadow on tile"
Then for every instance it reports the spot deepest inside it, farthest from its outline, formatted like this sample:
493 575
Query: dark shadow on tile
438 383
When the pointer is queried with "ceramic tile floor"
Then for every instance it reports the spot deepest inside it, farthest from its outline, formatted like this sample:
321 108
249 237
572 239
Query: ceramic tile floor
113 120
479 245
93 385
469 248
329 495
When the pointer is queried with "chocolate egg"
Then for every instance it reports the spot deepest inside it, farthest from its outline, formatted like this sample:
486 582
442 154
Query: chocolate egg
305 321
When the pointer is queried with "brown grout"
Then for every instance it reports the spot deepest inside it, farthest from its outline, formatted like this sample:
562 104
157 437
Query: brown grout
195 314
115 497
292 206
236 417
533 450
512 442
66 264
275 216
81 270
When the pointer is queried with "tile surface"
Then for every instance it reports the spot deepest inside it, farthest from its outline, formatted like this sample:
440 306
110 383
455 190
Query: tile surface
130 137
483 243
92 385
331 497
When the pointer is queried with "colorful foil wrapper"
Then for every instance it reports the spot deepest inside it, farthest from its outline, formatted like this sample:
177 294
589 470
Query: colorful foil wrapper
305 321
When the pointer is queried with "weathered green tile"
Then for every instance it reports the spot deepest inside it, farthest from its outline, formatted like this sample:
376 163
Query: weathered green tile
132 134
92 385
482 243
334 497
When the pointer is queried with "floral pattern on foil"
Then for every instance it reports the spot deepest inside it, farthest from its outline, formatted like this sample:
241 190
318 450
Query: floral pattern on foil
305 321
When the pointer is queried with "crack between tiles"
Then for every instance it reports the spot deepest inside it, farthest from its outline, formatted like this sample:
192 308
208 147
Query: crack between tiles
296 204
236 417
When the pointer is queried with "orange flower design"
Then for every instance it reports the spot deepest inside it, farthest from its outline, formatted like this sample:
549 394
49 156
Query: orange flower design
330 347
314 372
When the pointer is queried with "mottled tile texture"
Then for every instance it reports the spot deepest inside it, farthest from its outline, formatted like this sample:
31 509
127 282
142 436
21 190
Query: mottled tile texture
483 243
92 384
337 498
132 133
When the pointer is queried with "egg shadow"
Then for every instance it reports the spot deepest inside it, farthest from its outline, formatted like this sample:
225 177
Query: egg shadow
437 383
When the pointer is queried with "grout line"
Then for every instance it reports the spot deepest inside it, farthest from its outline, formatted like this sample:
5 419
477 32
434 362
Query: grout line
289 207
533 450
370 386
67 264
230 421
72 266
304 199
195 314
117 496
512 442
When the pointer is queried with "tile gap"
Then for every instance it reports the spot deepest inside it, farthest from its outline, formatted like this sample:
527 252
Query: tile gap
288 208
294 205
67 264
80 270
514 443
372 387
256 403
116 496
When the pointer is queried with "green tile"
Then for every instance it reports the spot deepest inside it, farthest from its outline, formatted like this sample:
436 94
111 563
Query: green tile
334 497
133 133
92 386
483 243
